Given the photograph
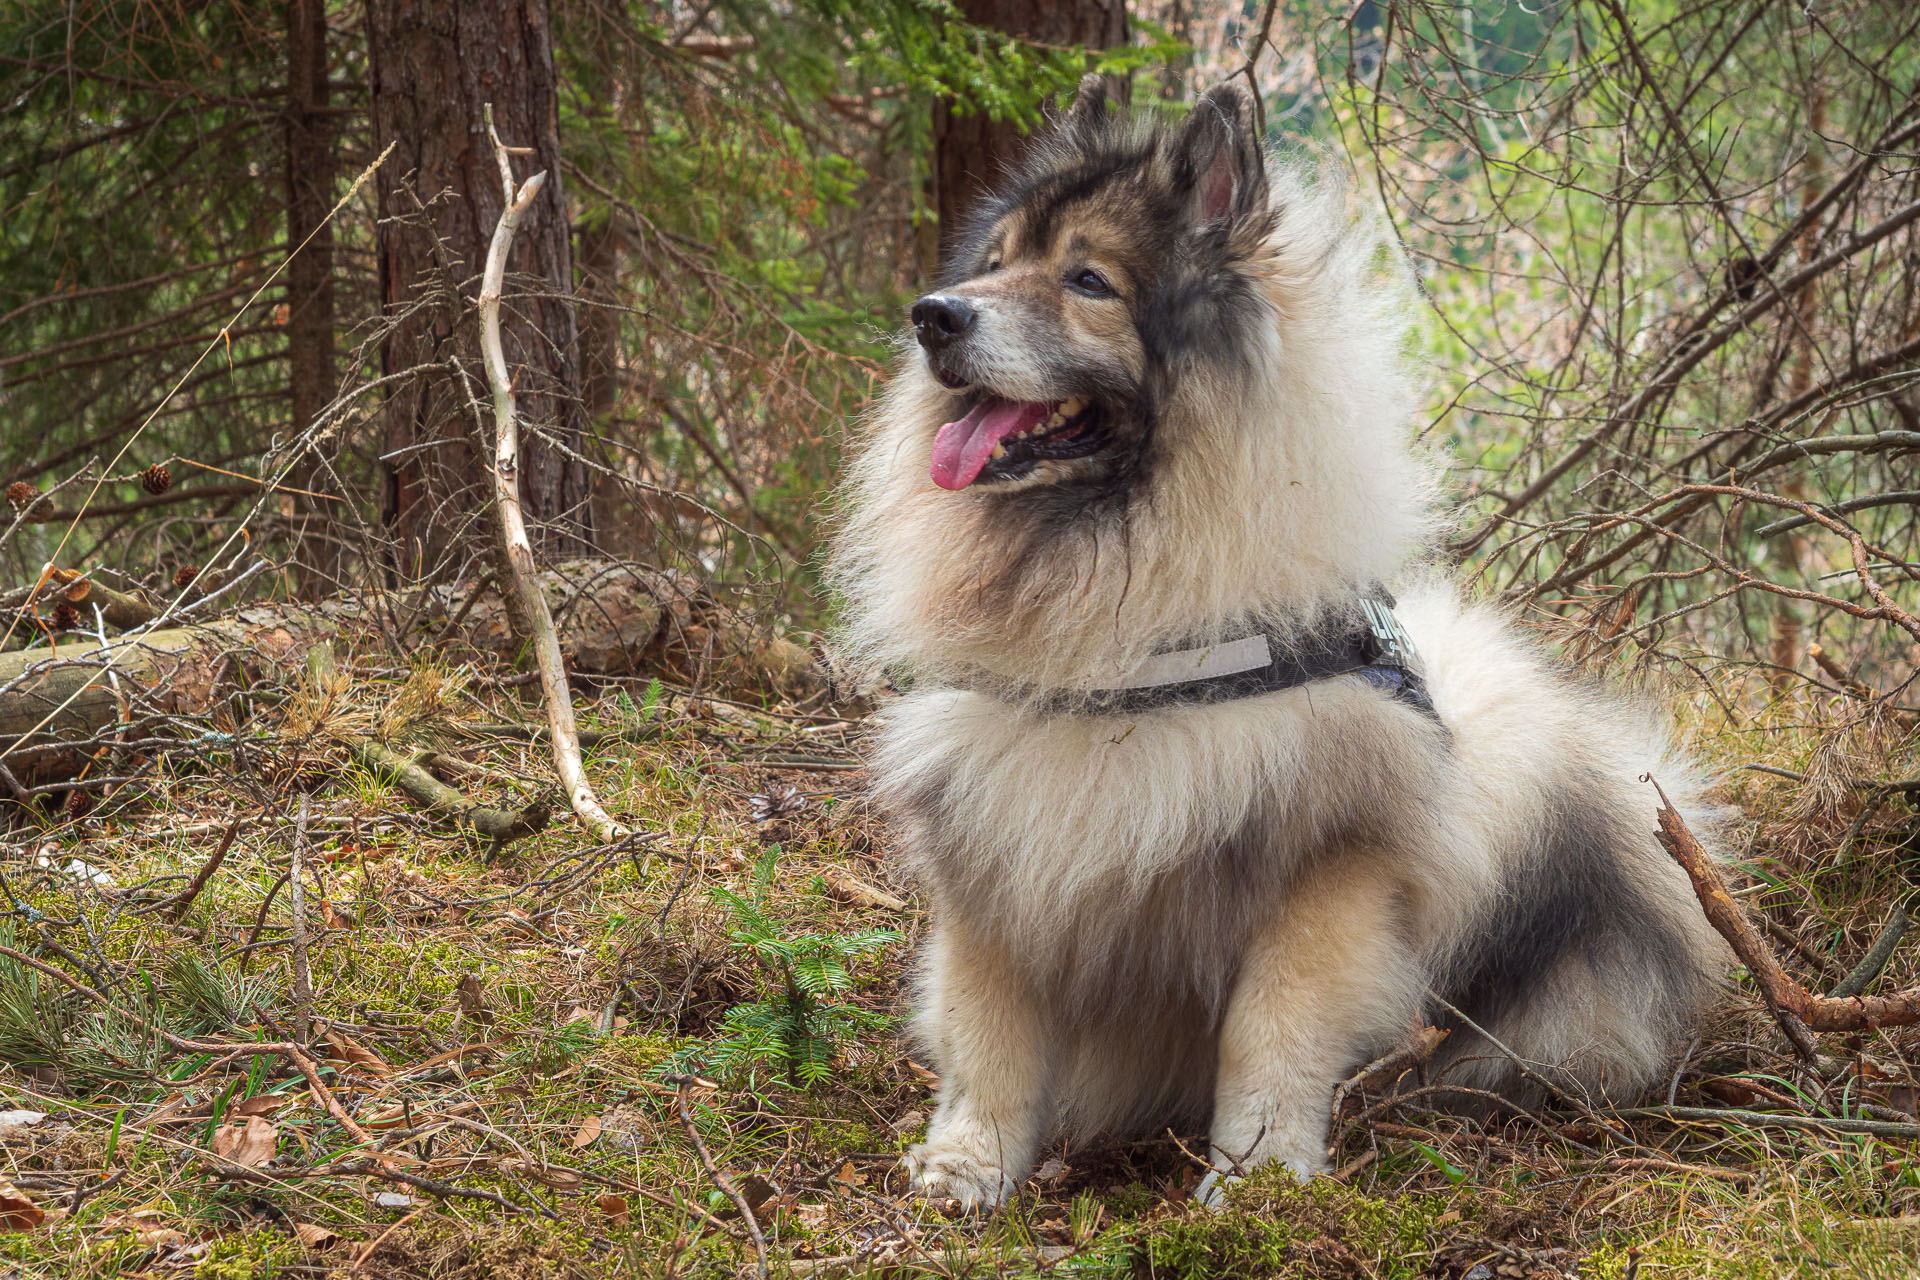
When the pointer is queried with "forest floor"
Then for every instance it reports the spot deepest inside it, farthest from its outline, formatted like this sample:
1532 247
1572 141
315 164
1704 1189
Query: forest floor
535 1044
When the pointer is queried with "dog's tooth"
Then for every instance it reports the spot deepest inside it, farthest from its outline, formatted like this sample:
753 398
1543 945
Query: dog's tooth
999 451
1072 407
1056 419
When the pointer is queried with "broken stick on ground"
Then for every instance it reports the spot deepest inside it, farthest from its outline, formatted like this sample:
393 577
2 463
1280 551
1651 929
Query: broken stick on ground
513 526
1799 1012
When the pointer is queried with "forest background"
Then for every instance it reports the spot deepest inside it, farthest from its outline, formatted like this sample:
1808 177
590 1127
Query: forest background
1671 333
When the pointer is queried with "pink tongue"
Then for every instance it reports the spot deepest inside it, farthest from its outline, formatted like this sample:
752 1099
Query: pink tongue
962 448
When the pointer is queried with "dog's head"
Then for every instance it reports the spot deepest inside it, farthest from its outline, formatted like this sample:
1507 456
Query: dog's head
1115 262
1161 392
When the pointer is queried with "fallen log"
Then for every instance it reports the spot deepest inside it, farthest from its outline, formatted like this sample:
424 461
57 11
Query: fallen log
57 703
62 704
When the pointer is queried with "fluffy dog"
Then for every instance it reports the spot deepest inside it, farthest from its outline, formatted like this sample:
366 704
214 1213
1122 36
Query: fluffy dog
1200 830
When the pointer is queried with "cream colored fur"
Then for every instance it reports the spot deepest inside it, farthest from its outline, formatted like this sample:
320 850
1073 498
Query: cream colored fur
1209 915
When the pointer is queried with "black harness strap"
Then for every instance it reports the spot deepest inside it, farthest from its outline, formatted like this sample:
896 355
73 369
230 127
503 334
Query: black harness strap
1373 647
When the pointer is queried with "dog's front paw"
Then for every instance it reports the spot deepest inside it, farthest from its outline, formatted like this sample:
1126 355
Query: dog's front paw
953 1178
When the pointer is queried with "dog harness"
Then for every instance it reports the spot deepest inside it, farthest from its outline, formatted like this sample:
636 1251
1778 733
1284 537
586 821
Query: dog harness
1374 647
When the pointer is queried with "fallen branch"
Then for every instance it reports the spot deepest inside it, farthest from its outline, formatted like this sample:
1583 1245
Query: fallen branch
519 563
297 901
1768 1119
119 609
684 1086
502 826
1863 974
176 907
1799 1012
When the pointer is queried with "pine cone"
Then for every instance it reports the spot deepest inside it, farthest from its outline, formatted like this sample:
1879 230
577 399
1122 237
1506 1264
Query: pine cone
156 479
183 576
22 495
65 616
79 803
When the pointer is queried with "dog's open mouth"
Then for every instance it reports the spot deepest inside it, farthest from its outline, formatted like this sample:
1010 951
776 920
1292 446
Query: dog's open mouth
1005 439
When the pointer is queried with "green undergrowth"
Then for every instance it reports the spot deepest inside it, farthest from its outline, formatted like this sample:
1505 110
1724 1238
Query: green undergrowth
537 1018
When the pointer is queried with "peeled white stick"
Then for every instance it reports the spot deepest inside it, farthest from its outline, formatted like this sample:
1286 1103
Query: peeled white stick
513 524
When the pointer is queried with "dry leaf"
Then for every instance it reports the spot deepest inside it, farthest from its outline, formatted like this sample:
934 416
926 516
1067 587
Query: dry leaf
589 1130
334 917
1052 1171
159 1238
350 1051
756 1191
851 1176
546 1174
473 999
392 1200
849 889
314 1236
615 1207
260 1104
17 1212
250 1144
391 1118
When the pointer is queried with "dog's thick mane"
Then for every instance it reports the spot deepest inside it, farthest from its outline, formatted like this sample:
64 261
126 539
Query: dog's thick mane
1281 481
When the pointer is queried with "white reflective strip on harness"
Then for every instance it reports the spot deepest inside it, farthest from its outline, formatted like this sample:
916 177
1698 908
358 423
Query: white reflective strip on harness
1250 653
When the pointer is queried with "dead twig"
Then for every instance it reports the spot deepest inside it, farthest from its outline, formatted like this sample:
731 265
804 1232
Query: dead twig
1863 974
1768 1119
682 1108
296 895
1419 1047
176 907
1799 1012
502 826
519 563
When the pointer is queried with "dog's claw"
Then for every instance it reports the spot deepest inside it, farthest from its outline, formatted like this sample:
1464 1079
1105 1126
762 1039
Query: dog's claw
955 1183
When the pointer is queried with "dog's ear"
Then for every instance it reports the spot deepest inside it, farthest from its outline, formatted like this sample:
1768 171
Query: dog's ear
1087 118
1220 156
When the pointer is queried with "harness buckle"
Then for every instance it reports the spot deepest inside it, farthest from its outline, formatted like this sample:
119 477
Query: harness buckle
1389 637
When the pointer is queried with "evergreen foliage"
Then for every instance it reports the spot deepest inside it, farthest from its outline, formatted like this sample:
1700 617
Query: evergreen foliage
805 1015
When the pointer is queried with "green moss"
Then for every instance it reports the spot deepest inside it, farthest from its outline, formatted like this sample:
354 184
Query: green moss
254 1255
1132 1200
1273 1226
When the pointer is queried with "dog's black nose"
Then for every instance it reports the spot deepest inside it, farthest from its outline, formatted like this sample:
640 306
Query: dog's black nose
939 318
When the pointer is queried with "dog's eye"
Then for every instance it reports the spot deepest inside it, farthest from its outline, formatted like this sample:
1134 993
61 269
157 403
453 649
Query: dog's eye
1091 283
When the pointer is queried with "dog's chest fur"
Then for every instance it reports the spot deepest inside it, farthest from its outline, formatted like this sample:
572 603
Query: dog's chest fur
1115 856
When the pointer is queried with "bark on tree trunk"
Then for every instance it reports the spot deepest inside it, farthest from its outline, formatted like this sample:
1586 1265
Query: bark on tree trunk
970 151
310 173
435 64
600 248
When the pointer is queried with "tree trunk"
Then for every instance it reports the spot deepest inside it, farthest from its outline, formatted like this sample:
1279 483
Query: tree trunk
435 64
970 152
310 322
